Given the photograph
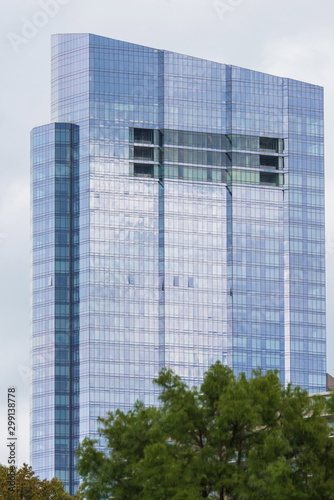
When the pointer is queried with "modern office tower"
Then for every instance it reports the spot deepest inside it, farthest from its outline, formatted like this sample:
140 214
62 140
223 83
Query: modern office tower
178 219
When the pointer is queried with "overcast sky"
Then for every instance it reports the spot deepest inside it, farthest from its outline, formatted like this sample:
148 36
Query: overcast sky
291 38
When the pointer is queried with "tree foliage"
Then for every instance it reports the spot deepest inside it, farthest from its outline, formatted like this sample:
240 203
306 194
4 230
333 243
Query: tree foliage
235 438
30 487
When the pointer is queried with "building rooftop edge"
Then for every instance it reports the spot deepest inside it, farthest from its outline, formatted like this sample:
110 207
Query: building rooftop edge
286 79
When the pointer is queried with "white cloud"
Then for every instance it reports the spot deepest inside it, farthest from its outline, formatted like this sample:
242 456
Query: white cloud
301 58
14 201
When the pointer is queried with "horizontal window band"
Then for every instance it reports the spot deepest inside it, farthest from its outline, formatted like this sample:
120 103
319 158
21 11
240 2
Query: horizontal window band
199 140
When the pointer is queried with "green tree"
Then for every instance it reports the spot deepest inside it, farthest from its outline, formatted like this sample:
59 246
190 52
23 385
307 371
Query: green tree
235 438
30 487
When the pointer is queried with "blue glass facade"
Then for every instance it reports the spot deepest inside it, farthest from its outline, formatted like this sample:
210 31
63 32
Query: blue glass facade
178 218
55 294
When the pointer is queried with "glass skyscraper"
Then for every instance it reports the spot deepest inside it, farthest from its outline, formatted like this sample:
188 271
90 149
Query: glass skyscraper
177 219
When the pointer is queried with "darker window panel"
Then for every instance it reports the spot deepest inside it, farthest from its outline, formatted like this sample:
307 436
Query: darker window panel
142 153
143 135
209 176
268 144
269 161
143 170
269 178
